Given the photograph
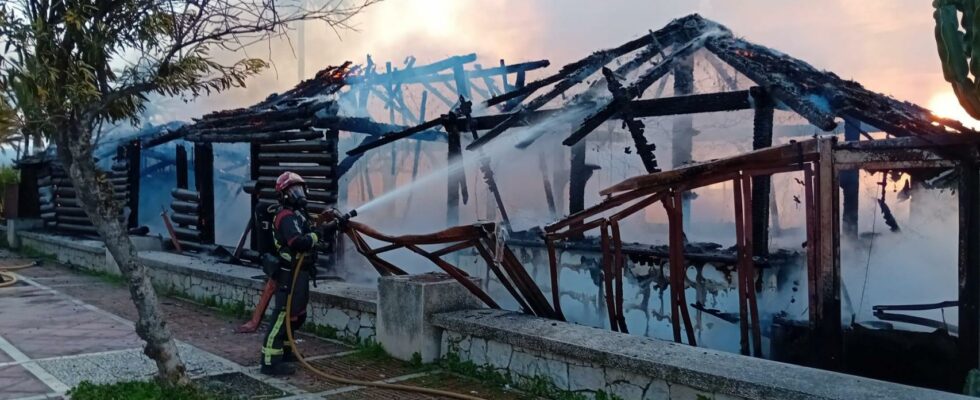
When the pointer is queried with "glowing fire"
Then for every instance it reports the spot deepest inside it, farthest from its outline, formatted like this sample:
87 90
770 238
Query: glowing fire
946 105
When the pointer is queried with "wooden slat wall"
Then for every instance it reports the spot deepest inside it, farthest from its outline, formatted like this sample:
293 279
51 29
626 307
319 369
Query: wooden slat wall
315 160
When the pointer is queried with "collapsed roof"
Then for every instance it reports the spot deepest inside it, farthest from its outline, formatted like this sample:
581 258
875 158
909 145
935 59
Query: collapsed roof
818 96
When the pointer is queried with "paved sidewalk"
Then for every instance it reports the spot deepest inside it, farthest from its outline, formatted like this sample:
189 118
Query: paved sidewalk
60 327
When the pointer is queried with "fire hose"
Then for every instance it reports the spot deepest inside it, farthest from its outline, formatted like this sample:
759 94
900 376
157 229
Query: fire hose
9 279
345 381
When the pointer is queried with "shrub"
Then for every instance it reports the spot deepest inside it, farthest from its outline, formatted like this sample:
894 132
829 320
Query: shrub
138 390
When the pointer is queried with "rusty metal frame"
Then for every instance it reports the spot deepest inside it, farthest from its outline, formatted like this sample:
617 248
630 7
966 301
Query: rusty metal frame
480 237
820 161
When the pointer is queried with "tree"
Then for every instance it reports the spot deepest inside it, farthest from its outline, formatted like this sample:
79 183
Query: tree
958 42
69 66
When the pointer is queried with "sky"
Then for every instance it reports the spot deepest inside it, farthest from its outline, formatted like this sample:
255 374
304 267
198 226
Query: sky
887 45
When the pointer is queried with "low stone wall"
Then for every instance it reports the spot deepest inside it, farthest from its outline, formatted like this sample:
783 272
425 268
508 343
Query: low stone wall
348 311
588 360
88 254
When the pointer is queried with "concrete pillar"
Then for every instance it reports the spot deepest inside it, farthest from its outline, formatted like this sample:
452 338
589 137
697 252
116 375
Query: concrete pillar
405 303
19 224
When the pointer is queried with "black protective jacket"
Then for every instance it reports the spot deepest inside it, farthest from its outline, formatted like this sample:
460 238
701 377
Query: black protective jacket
294 236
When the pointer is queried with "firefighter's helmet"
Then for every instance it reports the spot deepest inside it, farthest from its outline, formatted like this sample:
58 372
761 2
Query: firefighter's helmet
292 189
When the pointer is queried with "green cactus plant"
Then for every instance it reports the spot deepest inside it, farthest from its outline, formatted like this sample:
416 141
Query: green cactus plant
958 42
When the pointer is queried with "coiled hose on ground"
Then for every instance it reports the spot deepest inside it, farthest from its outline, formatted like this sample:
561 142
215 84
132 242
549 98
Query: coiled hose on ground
345 381
9 279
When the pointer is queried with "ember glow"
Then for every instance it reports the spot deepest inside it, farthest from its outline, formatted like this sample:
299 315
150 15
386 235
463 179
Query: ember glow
946 105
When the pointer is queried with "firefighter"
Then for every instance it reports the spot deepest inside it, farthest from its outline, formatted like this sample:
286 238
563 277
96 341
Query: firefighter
293 236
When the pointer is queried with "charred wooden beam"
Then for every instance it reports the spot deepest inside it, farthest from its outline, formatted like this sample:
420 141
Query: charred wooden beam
185 219
186 195
800 152
82 221
290 131
185 207
492 89
164 136
635 89
692 104
587 98
315 146
732 51
635 126
682 128
405 76
204 180
369 127
761 185
259 117
548 191
456 181
254 149
133 172
72 211
303 170
312 183
849 183
349 161
391 137
314 195
275 158
568 82
431 77
665 35
462 82
188 234
77 228
828 278
181 164
579 174
466 110
677 105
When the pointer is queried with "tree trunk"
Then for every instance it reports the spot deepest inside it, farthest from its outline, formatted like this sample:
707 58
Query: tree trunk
102 210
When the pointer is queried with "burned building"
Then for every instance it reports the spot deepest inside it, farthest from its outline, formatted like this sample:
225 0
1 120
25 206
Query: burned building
493 144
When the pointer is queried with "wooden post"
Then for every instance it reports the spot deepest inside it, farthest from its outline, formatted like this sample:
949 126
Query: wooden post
548 193
969 266
453 180
761 185
850 184
253 174
181 165
204 181
828 319
577 178
462 81
133 177
559 177
682 141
